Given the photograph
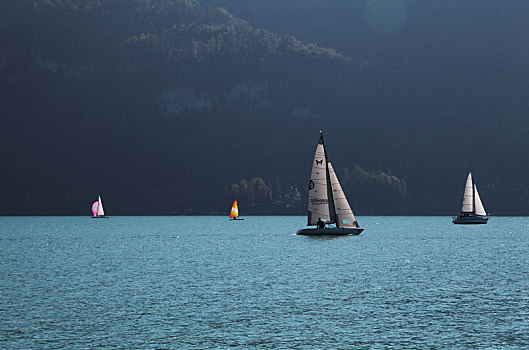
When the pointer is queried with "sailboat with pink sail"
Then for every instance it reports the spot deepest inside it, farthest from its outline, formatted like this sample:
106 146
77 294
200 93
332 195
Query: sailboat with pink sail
97 209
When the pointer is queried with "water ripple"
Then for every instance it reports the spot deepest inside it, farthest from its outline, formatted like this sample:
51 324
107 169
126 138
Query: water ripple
129 282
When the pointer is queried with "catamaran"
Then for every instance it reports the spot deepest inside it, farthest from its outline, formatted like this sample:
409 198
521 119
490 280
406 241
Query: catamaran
97 209
472 211
327 202
234 213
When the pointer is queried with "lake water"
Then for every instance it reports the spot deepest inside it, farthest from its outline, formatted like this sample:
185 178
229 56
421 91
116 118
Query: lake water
206 282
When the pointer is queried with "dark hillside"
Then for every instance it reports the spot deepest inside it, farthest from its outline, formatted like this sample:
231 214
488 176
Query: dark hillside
179 106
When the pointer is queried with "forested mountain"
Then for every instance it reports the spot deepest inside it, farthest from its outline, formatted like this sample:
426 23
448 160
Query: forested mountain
181 106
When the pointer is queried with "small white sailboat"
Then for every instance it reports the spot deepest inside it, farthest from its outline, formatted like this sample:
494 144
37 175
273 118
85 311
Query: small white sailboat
327 202
234 213
472 211
97 209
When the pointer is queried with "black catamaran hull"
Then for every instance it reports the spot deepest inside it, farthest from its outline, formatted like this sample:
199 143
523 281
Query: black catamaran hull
470 220
100 217
334 231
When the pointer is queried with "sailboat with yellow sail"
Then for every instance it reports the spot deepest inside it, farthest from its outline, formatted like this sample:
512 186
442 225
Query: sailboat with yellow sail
234 213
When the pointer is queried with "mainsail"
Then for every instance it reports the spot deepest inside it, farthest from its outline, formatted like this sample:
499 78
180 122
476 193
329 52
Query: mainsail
234 210
344 214
100 211
480 210
319 189
468 196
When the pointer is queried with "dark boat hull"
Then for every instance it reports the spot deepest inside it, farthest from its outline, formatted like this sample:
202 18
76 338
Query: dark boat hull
100 217
330 231
470 220
236 219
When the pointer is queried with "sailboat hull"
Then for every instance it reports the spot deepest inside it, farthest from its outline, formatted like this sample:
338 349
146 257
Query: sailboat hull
470 220
100 217
335 231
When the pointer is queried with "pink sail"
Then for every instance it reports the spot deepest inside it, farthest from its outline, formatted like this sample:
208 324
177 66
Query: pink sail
94 207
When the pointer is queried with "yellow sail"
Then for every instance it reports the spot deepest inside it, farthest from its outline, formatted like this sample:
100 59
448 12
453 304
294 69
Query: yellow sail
234 210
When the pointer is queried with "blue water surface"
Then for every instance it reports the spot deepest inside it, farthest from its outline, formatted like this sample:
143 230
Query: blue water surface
207 282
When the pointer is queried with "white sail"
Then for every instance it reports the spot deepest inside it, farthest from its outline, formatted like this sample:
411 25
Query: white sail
344 214
100 211
480 210
468 201
318 188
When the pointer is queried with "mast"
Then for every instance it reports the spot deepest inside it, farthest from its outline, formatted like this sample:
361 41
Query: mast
332 210
473 197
